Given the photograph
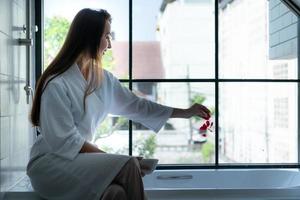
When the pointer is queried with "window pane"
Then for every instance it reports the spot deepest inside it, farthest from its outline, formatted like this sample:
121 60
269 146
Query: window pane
112 135
58 20
258 122
179 141
258 39
173 40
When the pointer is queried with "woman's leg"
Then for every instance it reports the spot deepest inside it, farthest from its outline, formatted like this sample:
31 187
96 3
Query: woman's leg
114 192
130 179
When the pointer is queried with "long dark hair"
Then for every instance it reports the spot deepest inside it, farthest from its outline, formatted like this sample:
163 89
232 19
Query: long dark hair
84 36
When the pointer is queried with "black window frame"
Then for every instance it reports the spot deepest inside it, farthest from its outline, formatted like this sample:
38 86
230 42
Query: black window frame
39 19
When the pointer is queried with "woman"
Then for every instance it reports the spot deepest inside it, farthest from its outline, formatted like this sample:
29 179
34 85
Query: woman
73 95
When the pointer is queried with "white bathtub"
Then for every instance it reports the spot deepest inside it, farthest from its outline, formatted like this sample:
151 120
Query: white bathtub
264 184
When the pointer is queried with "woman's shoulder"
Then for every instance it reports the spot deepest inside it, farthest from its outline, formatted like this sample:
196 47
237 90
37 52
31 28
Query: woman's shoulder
54 83
109 75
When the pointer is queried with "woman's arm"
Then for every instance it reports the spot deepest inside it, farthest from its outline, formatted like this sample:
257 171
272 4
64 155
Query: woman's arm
194 110
90 148
179 113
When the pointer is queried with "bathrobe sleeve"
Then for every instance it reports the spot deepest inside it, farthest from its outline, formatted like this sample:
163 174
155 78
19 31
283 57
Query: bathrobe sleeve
125 103
57 124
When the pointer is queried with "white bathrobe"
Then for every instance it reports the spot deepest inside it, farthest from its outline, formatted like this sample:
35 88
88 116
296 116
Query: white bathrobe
56 169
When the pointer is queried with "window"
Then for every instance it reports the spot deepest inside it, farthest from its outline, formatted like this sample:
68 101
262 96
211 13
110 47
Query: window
258 101
57 20
165 58
245 70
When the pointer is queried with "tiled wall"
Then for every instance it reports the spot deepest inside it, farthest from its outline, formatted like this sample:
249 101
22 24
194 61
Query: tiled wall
16 131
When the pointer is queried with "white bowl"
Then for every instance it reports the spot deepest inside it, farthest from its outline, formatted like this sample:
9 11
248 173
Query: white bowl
148 165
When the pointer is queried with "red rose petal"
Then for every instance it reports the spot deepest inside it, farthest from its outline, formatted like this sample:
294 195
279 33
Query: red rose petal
202 128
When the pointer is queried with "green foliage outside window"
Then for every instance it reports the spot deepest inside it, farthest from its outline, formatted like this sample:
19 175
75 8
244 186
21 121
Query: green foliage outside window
207 152
56 29
145 146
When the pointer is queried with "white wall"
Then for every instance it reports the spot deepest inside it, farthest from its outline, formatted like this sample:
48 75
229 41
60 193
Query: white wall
16 132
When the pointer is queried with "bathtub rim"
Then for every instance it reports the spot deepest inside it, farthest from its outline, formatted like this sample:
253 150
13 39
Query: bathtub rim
150 179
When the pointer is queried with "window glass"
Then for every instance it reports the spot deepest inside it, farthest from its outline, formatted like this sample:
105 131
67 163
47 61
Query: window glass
180 141
257 39
258 120
58 19
173 39
258 123
112 135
